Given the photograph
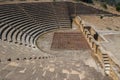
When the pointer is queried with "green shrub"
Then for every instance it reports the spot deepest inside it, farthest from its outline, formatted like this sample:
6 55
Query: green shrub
118 7
101 17
104 5
77 0
87 1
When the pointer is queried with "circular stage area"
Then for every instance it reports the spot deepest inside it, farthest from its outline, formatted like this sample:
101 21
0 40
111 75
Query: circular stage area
66 43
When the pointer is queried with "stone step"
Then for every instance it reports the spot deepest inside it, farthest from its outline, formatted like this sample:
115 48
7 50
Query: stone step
107 68
5 72
107 65
49 75
106 62
61 76
105 58
73 77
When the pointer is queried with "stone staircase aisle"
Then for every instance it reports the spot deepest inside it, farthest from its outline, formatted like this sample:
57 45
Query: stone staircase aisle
107 65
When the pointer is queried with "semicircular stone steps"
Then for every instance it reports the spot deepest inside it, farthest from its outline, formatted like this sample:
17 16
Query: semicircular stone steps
23 23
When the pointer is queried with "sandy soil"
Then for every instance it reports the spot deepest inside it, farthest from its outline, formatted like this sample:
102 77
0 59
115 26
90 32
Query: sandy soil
107 23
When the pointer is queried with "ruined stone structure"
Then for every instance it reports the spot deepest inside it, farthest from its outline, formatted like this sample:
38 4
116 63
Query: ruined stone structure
102 56
29 49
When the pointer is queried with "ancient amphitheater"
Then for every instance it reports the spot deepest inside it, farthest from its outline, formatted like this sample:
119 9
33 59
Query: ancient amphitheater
58 41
